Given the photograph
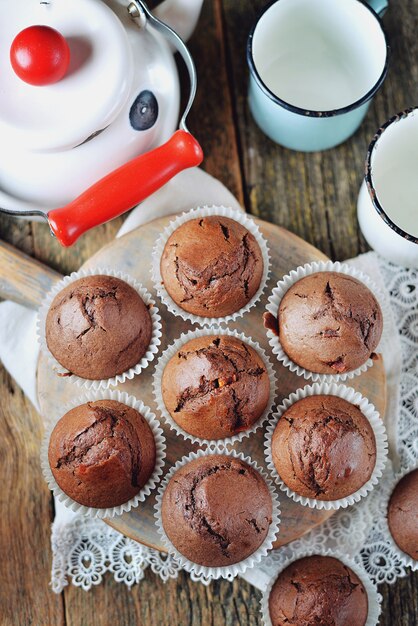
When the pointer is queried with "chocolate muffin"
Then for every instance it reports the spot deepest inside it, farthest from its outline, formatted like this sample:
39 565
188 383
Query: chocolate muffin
403 514
211 266
318 590
329 323
102 453
323 447
98 327
216 510
215 386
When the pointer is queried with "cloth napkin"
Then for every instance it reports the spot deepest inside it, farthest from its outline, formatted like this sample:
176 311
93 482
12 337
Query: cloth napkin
192 188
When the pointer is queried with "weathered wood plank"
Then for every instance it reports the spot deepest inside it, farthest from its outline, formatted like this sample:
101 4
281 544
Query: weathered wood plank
26 514
400 602
211 117
179 602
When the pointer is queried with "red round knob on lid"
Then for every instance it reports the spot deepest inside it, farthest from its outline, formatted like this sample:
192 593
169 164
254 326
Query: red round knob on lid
40 55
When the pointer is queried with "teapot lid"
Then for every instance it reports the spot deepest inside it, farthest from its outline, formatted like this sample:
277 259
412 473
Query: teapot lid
94 89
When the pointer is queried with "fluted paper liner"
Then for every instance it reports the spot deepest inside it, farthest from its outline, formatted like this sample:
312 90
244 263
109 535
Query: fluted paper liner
119 378
374 598
404 558
238 216
284 285
370 413
231 571
173 349
124 398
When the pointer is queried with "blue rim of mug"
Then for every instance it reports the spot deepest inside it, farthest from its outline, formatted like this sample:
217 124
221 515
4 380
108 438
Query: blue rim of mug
369 175
306 112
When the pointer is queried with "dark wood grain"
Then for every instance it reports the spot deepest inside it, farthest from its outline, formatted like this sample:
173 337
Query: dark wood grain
211 117
311 195
179 602
26 515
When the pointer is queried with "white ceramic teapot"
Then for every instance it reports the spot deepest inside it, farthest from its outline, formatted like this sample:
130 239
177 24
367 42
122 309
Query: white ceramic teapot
118 98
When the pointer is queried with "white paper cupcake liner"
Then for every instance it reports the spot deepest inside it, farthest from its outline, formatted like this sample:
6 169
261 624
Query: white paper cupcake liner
368 410
231 571
284 285
374 598
124 398
119 378
200 212
404 558
173 349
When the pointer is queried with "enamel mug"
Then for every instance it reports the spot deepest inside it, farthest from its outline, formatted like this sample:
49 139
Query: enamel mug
314 67
387 206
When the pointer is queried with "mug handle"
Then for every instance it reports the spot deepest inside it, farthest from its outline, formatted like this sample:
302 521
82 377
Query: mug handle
379 6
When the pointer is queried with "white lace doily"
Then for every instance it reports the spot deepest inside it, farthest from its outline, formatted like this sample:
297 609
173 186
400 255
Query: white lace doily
85 549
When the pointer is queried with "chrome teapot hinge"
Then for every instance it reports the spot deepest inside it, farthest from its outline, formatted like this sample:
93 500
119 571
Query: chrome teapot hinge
138 14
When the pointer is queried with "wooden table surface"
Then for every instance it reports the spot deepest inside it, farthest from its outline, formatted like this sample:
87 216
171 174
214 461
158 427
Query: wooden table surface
313 195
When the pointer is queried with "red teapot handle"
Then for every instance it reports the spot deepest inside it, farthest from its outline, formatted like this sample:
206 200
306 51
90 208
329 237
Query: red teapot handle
125 187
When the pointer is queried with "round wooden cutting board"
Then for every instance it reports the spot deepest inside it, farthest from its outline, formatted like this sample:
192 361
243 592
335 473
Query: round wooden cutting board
132 254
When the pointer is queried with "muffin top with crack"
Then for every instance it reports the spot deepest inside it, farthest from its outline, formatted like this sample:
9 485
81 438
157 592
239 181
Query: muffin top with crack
215 386
323 447
216 510
318 590
211 266
102 453
329 323
98 327
403 514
